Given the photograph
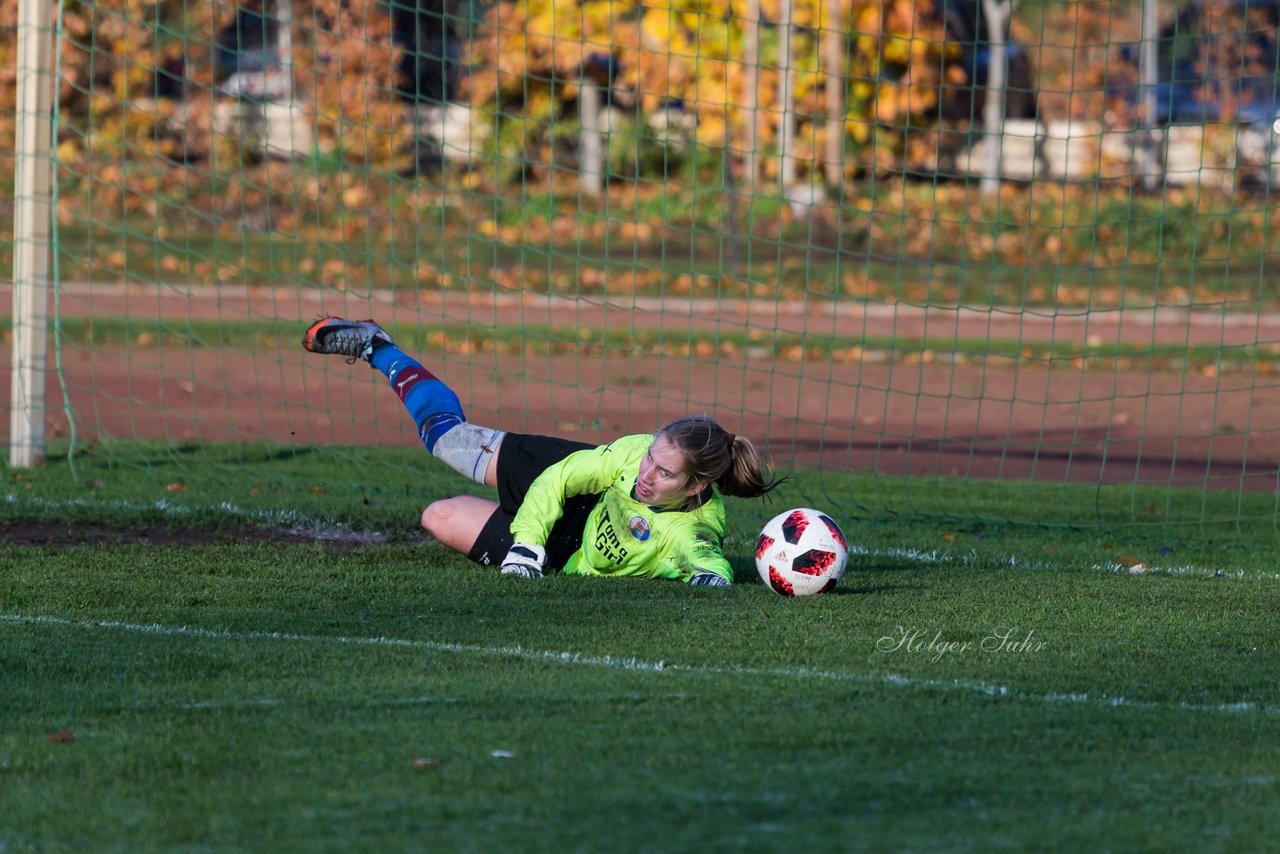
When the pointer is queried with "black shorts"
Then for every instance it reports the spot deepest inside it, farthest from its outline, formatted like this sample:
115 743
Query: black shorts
521 459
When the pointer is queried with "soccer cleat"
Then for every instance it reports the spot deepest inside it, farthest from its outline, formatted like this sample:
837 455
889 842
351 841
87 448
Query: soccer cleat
354 339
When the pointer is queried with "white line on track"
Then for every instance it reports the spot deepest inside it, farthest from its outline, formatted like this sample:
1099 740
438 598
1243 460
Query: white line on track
296 301
641 665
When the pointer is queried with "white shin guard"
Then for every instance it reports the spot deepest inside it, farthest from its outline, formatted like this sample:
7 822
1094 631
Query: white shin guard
468 449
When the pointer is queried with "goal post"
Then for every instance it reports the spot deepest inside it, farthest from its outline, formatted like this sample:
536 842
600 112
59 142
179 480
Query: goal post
31 221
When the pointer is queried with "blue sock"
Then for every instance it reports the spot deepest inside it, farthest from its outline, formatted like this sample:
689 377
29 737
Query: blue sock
434 407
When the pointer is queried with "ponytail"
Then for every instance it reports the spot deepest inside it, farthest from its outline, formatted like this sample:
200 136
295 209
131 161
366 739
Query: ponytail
717 456
748 476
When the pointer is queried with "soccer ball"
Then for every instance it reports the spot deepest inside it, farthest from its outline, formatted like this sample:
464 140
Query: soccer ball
801 552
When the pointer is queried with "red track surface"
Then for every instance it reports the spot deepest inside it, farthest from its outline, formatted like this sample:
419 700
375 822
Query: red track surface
1055 422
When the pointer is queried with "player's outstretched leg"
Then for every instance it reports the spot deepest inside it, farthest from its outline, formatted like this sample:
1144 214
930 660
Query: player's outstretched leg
466 448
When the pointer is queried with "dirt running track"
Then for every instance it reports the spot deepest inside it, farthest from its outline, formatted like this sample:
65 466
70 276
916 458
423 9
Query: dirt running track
1054 422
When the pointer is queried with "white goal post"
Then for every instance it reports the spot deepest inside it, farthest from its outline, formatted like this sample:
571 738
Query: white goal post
33 190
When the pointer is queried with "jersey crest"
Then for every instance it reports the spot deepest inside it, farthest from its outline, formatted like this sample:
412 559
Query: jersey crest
639 528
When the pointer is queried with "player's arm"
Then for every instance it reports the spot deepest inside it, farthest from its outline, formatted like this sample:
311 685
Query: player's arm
707 565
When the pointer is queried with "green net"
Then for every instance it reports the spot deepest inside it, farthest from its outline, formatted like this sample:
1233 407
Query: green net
593 217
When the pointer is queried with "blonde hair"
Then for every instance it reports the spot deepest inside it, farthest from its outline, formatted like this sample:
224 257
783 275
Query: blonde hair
715 455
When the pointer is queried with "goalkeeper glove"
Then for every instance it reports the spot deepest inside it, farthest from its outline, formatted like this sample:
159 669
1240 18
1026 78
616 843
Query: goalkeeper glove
525 561
709 579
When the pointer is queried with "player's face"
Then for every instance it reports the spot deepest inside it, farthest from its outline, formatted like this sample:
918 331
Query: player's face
663 478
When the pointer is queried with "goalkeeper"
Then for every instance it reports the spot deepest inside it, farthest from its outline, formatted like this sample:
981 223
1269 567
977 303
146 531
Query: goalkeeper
646 505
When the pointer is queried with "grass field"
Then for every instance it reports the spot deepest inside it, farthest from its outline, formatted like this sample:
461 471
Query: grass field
260 653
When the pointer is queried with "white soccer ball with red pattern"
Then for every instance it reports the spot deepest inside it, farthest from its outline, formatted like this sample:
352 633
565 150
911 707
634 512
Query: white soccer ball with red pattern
801 552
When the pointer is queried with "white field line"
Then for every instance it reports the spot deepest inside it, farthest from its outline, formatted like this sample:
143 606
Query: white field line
286 521
293 522
639 665
973 558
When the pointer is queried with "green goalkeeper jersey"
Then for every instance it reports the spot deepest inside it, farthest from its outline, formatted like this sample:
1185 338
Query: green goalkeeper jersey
624 536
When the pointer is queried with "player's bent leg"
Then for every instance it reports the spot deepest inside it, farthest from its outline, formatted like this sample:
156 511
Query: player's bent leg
457 522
